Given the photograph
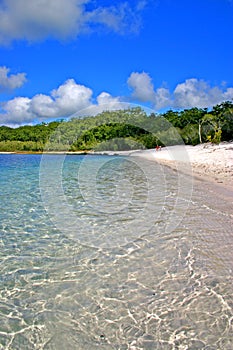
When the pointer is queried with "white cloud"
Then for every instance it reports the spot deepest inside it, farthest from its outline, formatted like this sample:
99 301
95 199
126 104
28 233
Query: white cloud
162 98
71 98
121 18
60 19
33 20
68 99
43 106
105 102
106 99
191 93
143 89
17 111
194 92
228 94
12 81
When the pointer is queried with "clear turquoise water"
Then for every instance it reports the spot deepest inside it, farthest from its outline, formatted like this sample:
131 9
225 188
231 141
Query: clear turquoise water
112 253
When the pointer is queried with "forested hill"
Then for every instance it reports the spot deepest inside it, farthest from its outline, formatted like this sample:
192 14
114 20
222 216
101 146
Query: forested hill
123 129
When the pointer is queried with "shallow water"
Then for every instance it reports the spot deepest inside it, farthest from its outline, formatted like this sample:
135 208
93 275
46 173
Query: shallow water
112 253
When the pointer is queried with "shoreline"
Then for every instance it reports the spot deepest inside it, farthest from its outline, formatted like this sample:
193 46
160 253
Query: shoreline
48 152
205 161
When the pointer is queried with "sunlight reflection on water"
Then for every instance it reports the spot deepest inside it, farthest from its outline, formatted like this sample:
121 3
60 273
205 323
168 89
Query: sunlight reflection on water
159 290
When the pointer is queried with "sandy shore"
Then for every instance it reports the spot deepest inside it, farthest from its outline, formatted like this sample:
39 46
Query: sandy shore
207 161
7 152
211 162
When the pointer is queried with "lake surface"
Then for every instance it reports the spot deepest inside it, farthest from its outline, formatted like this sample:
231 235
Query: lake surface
104 252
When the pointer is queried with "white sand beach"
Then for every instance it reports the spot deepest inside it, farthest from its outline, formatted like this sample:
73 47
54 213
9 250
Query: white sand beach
212 162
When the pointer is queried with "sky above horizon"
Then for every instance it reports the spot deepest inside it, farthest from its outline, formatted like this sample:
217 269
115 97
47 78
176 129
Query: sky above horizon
60 57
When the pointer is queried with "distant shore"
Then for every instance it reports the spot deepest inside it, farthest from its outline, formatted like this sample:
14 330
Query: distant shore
48 152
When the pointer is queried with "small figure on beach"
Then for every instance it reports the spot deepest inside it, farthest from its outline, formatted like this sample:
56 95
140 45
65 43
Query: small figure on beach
158 148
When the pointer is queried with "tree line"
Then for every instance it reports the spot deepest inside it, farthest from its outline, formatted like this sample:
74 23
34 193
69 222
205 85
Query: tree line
122 130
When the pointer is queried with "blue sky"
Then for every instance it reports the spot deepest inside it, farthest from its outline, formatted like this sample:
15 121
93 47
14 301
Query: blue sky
58 57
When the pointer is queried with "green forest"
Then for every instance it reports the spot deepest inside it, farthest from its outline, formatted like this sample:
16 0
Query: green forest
123 130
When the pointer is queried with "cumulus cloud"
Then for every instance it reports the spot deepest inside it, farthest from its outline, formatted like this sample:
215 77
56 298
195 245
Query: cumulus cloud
60 19
194 92
141 84
16 111
62 102
191 93
162 98
43 106
12 81
105 101
228 94
71 99
68 99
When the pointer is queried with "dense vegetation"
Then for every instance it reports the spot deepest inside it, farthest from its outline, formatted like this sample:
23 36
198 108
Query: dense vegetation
123 129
